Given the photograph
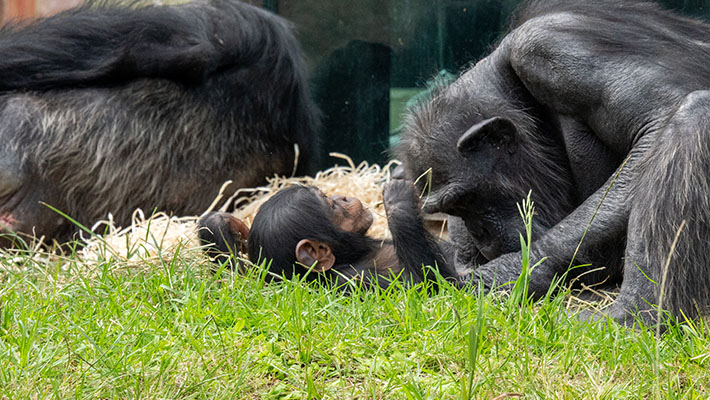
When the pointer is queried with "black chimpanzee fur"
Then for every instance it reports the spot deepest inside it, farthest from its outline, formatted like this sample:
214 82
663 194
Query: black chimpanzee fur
108 108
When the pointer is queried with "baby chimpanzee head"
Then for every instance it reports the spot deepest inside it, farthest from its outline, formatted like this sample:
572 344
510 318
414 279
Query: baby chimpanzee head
300 226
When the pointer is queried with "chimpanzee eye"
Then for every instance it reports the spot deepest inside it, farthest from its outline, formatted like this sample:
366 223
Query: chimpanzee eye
328 200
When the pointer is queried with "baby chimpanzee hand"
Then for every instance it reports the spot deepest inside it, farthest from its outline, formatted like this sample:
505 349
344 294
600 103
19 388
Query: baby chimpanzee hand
400 194
223 233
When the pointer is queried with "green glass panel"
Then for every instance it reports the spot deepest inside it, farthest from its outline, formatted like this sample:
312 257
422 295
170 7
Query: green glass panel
700 8
371 59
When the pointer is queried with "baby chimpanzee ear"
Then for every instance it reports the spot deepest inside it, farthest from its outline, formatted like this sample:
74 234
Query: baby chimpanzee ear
309 252
497 131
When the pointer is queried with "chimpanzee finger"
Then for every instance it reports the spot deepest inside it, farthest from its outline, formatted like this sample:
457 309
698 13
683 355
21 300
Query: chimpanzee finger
399 192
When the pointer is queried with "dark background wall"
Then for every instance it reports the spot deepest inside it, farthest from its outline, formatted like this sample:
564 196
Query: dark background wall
370 58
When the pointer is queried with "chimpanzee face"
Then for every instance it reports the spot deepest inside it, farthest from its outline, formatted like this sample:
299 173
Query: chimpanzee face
468 186
348 213
476 156
462 162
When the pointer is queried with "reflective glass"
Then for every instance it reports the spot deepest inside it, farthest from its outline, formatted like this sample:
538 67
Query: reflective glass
371 59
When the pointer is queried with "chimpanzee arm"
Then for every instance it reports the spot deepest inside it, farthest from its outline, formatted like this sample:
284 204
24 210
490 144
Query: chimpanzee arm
101 45
109 45
414 246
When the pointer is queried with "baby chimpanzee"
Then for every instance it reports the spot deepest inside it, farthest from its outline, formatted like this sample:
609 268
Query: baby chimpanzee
300 228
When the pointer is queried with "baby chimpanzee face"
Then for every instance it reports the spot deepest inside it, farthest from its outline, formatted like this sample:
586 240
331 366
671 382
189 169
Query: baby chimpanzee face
348 213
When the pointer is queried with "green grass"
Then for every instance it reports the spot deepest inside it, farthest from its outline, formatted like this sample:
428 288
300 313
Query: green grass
176 329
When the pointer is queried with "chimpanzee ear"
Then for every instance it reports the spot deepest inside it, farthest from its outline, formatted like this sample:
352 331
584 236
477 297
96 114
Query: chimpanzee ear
237 225
309 252
497 130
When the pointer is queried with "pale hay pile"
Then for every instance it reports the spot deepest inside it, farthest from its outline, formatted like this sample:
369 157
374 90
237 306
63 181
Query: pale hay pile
154 238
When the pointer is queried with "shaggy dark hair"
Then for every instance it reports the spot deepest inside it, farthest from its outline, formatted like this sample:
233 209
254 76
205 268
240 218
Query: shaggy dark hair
109 108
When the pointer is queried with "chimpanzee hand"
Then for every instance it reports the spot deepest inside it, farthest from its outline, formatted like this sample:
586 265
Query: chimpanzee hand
401 194
502 273
414 246
224 233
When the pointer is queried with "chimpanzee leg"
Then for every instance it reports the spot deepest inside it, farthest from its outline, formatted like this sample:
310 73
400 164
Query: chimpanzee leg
670 220
638 294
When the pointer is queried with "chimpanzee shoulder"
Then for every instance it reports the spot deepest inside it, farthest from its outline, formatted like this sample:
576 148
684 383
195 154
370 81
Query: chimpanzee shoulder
629 27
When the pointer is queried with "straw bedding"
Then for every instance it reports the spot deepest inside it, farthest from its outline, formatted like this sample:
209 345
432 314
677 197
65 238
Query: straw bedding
154 239
151 238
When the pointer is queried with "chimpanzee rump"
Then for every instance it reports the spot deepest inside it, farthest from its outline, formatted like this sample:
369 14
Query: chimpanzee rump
110 108
300 229
591 104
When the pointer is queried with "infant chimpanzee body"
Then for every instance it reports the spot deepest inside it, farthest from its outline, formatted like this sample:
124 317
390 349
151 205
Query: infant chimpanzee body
300 229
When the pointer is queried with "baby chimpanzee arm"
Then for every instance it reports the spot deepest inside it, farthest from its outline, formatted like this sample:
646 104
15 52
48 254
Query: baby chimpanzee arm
416 249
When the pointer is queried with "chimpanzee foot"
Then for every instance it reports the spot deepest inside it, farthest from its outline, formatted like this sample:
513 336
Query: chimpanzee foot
587 315
223 234
631 320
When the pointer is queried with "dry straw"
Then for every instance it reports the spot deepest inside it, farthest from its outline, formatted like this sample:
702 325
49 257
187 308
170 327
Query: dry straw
153 238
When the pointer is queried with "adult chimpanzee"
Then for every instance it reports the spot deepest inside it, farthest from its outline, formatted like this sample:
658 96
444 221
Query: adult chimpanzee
598 107
300 228
110 108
